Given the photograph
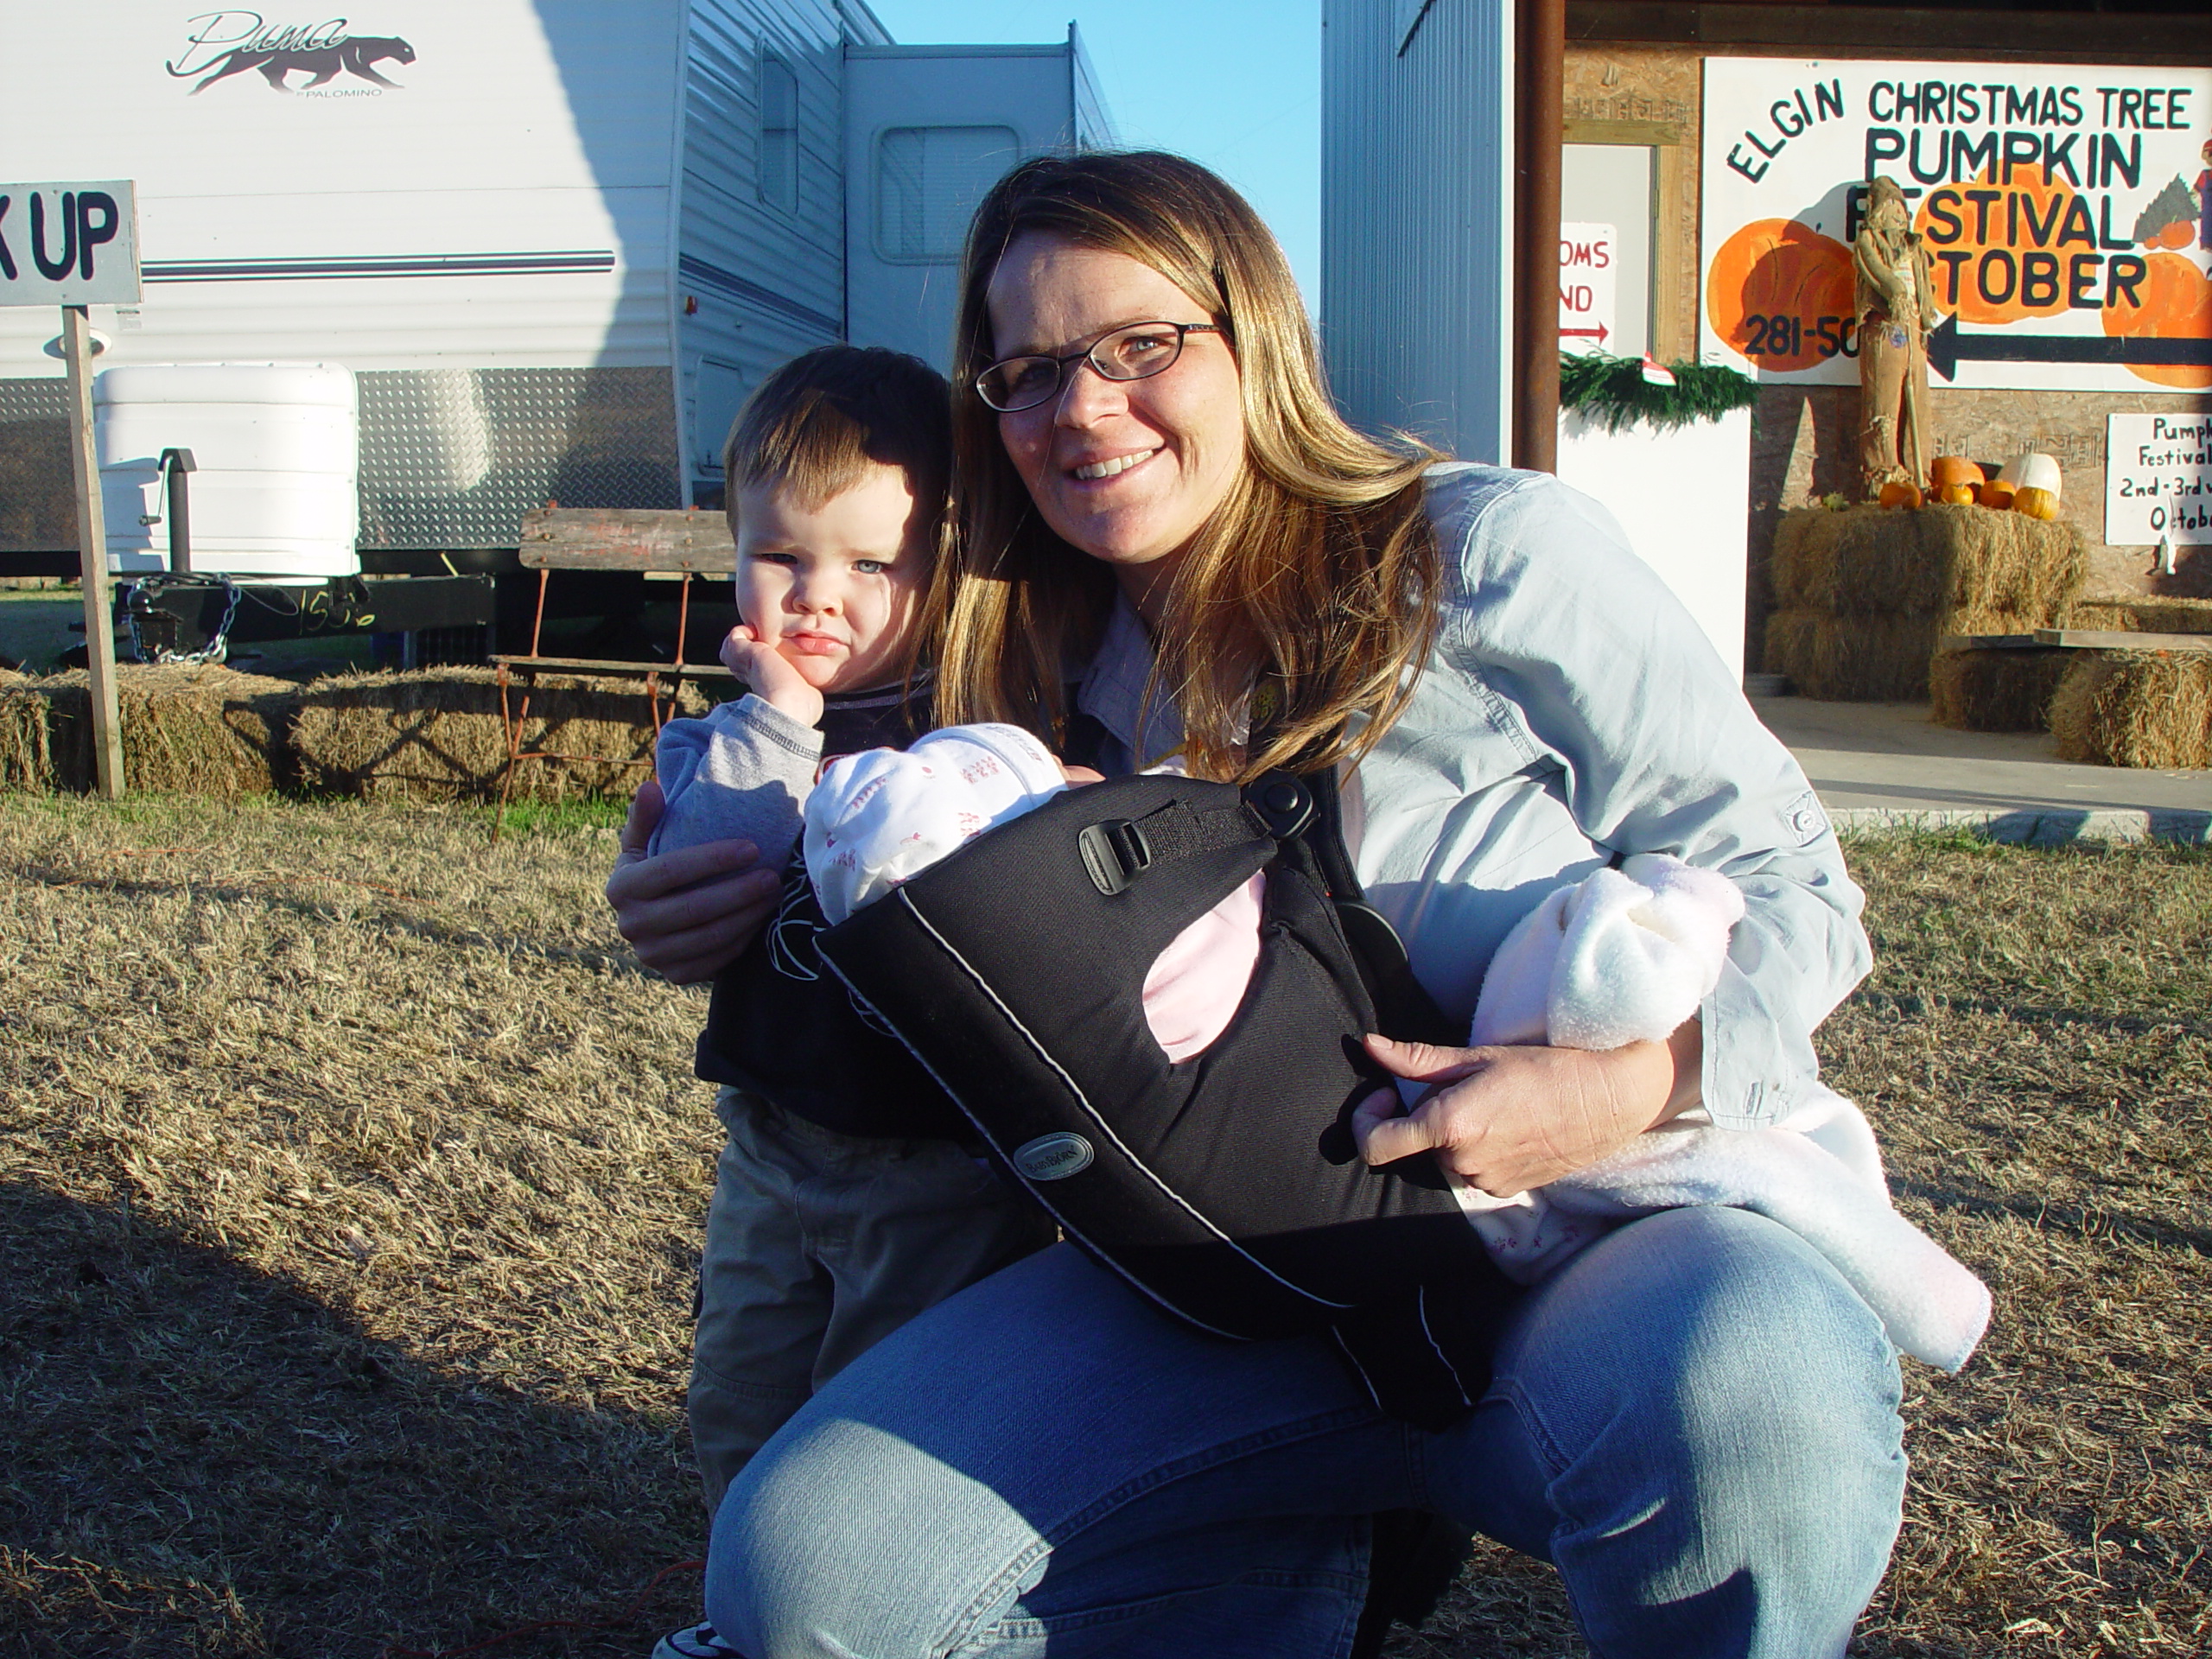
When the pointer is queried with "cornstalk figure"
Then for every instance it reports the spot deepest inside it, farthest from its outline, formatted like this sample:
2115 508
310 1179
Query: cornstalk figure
1896 304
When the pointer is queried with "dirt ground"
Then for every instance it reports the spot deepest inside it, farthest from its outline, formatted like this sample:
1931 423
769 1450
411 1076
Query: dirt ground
352 1175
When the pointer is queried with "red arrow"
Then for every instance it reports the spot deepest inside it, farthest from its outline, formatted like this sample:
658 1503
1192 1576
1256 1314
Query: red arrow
1597 333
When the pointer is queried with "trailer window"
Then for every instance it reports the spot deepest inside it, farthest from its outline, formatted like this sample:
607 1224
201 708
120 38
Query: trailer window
778 133
928 181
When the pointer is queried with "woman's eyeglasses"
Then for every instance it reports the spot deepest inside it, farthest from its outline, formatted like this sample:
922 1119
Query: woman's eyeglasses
1136 352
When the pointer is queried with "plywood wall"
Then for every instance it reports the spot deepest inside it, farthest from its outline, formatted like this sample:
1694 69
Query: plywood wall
1804 439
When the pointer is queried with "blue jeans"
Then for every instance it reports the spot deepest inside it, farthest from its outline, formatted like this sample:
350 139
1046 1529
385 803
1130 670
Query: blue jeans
1695 1421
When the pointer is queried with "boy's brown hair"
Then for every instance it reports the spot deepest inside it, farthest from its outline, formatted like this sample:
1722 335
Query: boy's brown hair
814 425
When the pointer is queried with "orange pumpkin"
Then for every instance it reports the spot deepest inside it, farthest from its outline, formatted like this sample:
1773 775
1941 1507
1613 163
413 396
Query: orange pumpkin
1959 495
1775 268
1901 492
1950 470
1996 493
2179 234
2036 504
2174 302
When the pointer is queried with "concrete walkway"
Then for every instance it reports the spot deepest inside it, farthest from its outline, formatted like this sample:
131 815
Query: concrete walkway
1887 763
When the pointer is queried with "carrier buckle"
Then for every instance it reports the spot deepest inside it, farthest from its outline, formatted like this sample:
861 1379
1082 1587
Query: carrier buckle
1283 804
1115 853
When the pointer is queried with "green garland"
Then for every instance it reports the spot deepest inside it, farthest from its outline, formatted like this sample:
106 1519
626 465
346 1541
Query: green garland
1613 389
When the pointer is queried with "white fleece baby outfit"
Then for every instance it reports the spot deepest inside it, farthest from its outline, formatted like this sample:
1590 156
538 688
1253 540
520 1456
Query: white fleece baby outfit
1627 956
881 817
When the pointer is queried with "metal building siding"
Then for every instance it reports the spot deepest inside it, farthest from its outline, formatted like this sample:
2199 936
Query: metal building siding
1416 218
767 282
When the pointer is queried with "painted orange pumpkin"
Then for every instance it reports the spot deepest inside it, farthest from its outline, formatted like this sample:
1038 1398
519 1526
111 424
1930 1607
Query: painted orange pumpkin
2174 302
1778 269
1995 257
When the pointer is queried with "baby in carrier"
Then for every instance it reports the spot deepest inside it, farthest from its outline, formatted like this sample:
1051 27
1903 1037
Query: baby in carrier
1627 955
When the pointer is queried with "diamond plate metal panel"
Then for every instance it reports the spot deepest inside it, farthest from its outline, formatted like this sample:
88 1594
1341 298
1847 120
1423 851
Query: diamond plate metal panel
452 458
38 506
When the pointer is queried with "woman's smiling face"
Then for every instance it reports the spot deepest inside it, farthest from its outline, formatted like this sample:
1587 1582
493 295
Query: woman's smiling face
1125 470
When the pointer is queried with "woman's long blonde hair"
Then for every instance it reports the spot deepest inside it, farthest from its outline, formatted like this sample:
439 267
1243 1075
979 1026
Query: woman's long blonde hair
1318 573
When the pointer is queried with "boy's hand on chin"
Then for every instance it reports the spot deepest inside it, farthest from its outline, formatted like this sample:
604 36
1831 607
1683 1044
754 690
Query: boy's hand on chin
770 676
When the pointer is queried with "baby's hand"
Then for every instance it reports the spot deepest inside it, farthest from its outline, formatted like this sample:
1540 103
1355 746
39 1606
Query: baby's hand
772 679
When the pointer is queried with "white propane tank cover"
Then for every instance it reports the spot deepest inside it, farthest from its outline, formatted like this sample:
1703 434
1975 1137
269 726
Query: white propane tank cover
277 446
2032 471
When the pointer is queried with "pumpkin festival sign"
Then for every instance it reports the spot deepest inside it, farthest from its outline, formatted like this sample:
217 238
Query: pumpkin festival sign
2066 213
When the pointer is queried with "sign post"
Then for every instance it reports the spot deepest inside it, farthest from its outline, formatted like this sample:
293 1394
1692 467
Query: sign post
78 247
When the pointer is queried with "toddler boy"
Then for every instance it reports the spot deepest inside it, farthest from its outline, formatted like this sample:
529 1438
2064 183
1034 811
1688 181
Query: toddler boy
822 1236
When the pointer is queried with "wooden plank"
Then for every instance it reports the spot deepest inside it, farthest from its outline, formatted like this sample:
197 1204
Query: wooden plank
1990 642
592 665
91 552
2122 640
1988 33
636 539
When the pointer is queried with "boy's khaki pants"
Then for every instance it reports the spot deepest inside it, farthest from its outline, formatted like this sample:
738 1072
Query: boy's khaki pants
819 1245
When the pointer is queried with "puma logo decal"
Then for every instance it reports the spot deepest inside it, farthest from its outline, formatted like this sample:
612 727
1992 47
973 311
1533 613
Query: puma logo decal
355 56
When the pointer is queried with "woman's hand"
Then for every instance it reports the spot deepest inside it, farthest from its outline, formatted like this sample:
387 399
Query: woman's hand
688 914
1509 1119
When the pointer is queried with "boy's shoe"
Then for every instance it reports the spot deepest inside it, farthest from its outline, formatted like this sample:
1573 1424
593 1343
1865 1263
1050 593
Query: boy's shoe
695 1642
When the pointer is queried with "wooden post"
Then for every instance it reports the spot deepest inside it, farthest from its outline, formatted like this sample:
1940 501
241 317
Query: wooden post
91 553
1541 27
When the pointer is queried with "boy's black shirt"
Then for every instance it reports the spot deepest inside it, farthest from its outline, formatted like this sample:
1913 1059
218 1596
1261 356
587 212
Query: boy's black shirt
781 1025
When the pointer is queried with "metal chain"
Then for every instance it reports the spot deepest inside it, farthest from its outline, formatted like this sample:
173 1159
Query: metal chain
217 648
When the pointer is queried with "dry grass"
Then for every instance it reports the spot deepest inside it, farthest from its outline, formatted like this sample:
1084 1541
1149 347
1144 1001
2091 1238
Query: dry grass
351 1178
1861 659
203 730
2136 708
2137 614
437 735
1995 690
1938 561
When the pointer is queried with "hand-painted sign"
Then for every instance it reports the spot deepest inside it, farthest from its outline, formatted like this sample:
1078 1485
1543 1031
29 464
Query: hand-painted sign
68 245
2158 479
1587 316
2066 213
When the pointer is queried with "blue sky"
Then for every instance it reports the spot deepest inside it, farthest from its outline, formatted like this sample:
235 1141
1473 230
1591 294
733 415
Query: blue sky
1236 84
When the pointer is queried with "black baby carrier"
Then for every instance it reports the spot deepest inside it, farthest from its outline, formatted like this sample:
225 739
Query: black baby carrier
1225 1187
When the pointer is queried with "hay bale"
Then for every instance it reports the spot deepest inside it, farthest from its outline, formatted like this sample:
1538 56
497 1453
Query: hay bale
1869 658
1995 690
2138 613
2147 708
186 730
437 734
1941 559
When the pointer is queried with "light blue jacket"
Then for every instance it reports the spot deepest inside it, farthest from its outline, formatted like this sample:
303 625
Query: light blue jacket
1571 712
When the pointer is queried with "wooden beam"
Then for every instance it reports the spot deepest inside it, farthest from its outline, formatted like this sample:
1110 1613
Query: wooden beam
91 553
1539 27
2122 640
1872 31
637 539
2078 639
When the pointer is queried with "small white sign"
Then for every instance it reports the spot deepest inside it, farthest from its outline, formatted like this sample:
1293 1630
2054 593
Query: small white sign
2158 479
1588 266
68 244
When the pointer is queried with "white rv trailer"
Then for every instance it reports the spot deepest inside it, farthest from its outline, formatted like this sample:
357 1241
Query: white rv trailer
556 241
